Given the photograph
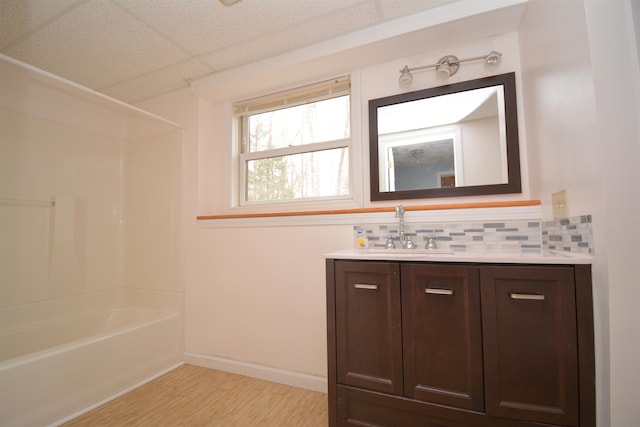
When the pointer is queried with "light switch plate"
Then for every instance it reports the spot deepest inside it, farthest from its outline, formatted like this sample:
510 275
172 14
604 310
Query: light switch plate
560 204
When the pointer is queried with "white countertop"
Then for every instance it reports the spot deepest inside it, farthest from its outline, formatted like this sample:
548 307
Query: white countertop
550 257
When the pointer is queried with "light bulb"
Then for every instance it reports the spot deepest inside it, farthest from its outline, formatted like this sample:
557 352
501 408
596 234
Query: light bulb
493 58
405 76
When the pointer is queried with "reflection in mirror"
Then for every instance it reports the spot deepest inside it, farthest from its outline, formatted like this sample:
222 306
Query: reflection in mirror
453 140
413 160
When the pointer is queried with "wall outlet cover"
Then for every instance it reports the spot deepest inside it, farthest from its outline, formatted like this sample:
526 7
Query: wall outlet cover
560 204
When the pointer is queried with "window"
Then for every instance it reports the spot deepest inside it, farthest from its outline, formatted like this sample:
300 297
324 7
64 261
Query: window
295 145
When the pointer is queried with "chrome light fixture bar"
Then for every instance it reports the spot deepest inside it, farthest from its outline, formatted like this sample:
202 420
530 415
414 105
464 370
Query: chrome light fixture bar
447 66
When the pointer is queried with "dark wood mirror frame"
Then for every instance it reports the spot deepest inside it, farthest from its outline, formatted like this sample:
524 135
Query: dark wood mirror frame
512 142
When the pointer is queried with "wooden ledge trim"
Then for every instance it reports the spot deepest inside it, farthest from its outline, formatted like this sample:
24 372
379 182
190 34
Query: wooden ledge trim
479 205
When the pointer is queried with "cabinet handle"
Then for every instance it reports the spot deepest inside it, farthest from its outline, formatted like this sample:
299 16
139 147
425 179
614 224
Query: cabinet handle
365 286
534 297
435 291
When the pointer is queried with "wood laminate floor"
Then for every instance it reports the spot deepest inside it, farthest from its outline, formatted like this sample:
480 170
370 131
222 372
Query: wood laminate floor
196 396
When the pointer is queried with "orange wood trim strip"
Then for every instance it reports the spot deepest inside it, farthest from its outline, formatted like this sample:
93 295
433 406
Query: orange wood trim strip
377 209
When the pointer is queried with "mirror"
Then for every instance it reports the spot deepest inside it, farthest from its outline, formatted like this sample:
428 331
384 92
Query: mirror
454 140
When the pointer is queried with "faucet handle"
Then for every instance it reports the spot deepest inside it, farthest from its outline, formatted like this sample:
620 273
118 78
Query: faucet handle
409 243
389 244
431 242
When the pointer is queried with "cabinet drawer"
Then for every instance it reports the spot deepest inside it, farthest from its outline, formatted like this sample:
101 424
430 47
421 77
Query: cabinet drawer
362 408
358 407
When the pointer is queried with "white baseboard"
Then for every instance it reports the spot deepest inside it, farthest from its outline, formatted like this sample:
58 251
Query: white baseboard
295 379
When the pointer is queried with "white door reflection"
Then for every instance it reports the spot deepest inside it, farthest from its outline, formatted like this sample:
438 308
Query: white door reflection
425 158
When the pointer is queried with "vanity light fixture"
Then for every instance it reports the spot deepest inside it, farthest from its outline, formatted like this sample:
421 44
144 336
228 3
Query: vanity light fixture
447 66
229 2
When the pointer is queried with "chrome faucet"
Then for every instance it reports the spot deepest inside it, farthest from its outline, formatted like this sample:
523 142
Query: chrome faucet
400 216
406 243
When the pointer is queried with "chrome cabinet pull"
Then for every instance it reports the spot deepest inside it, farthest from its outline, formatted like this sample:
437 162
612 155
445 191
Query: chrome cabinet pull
435 291
365 286
531 297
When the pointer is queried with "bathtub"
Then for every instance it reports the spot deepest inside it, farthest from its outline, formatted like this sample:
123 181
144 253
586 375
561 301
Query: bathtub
52 370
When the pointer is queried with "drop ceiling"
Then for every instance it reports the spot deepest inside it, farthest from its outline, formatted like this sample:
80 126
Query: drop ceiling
137 49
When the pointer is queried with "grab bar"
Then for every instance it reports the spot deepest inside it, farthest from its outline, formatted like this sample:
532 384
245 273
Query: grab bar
26 202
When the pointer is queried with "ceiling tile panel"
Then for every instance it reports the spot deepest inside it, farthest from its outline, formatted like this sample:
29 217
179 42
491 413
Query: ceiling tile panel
202 26
97 44
19 17
392 9
158 82
310 32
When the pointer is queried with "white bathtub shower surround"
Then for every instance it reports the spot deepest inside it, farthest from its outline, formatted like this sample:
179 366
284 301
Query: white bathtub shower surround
89 358
83 234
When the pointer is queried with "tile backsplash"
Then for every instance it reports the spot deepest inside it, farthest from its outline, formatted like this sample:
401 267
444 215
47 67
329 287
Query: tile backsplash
568 234
517 236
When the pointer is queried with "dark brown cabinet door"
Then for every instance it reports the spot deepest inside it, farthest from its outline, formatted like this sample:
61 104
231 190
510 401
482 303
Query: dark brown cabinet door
368 326
442 336
530 343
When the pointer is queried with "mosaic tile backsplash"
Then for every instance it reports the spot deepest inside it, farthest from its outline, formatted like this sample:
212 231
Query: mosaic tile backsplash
523 237
568 235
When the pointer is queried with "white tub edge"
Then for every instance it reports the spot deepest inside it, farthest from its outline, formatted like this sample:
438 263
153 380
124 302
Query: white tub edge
115 396
74 344
85 374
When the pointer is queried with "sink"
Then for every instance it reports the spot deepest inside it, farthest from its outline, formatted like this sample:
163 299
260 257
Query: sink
410 252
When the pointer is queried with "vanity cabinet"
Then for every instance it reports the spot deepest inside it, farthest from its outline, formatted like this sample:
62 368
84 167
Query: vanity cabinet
459 344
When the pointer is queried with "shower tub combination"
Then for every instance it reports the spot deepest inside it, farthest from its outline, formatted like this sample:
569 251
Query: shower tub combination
56 369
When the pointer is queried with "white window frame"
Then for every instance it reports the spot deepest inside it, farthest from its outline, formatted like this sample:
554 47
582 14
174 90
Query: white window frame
244 158
236 169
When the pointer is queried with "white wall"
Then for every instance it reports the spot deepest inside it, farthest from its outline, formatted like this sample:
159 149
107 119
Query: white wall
152 226
255 294
380 80
485 154
617 91
582 133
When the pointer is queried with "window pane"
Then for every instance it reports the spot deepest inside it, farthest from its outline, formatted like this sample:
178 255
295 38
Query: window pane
313 174
320 121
